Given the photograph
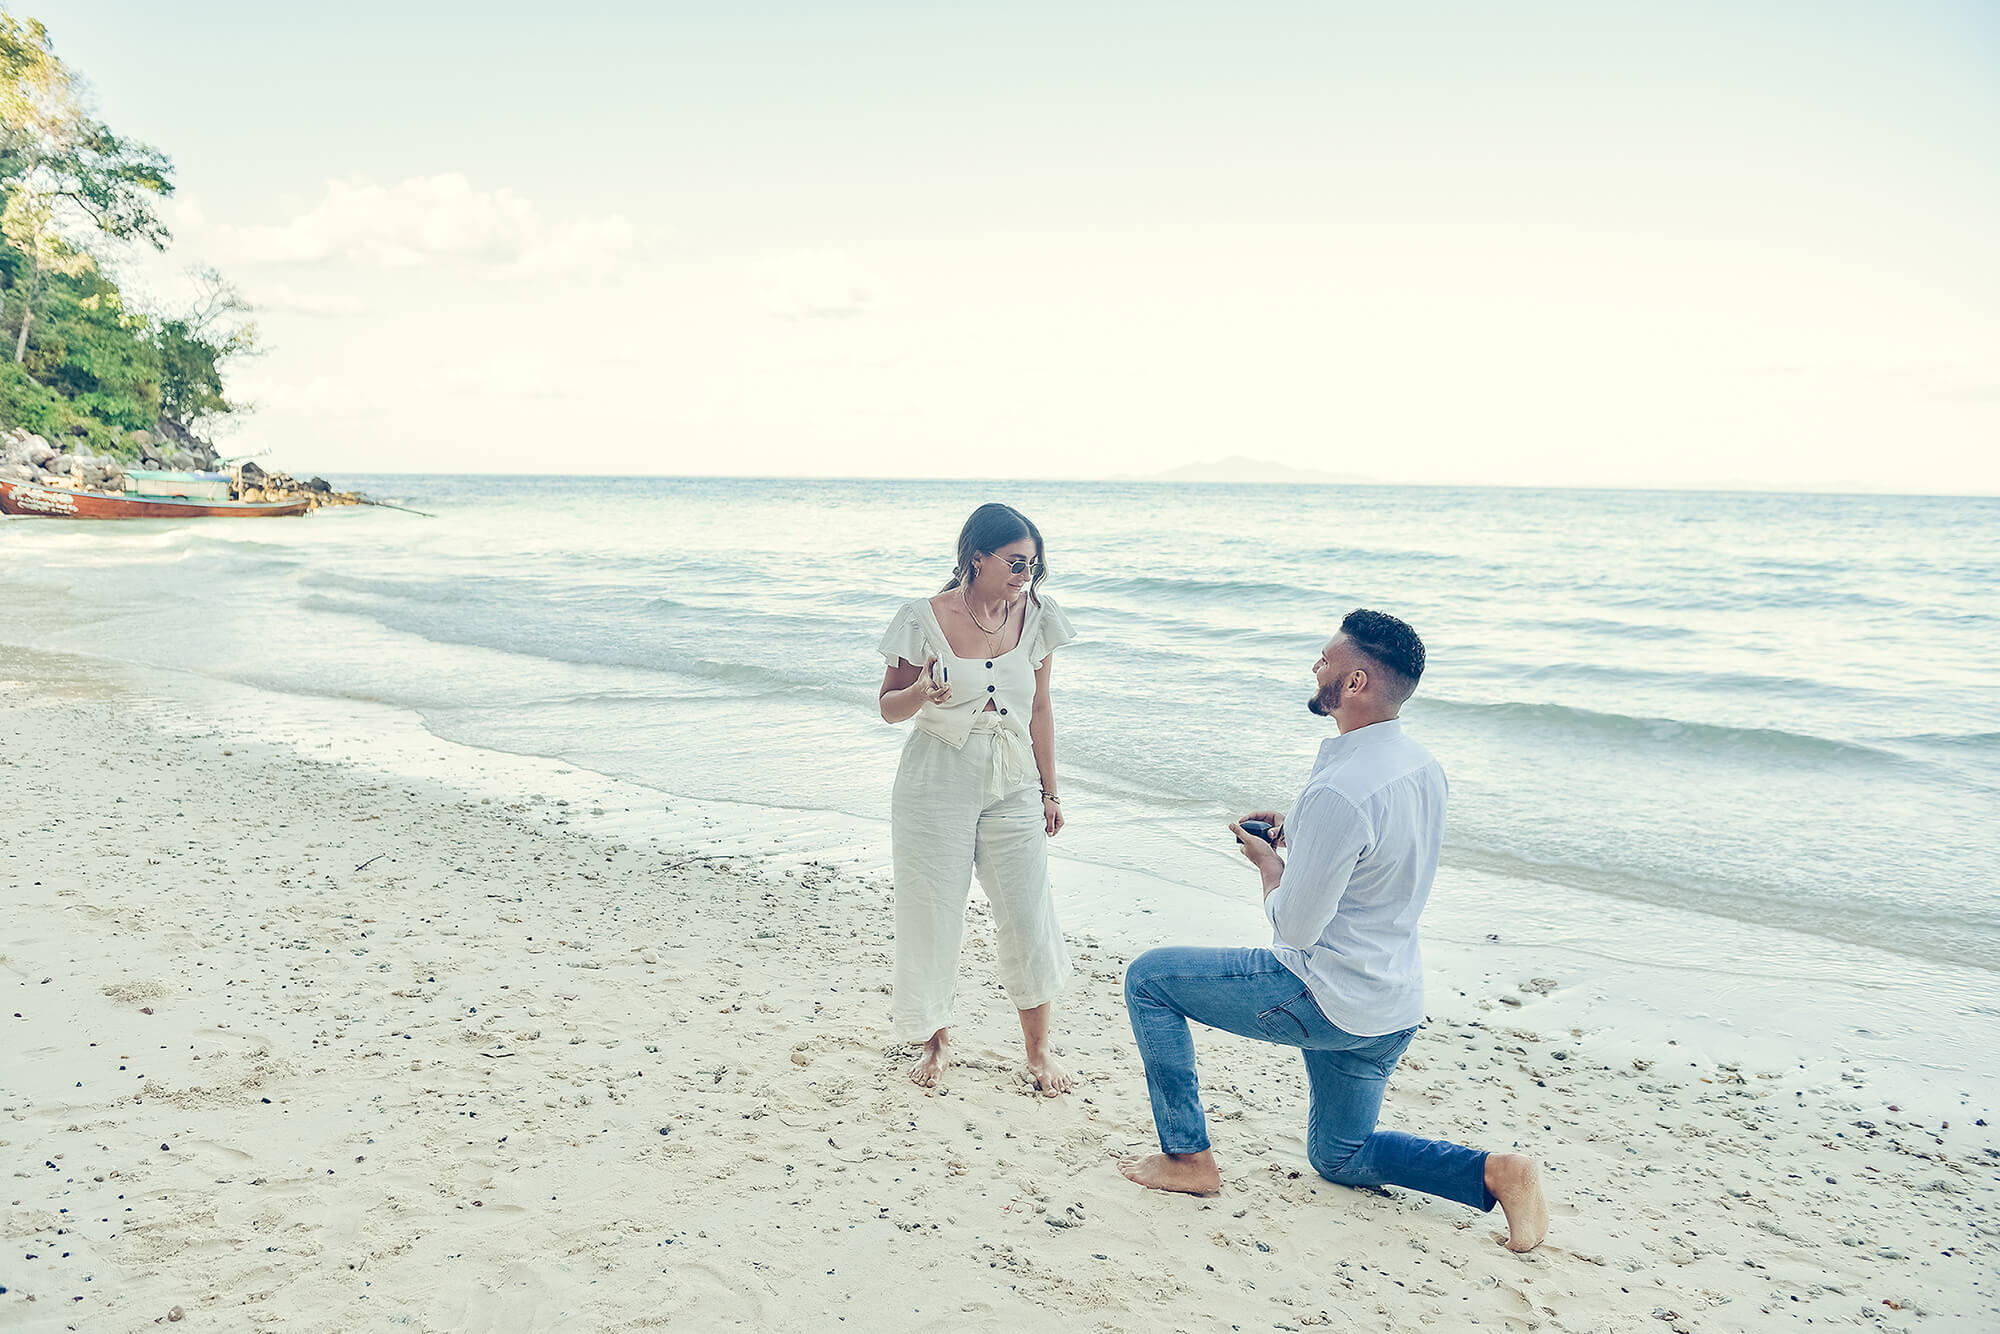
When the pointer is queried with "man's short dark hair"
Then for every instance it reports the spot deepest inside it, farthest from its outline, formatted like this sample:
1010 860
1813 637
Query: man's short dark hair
1391 645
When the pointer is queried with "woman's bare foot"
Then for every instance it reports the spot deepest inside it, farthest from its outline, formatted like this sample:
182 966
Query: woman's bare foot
1047 1076
1042 1072
926 1073
1189 1173
1517 1183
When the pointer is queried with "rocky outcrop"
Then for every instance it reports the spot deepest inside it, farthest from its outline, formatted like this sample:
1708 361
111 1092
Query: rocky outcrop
27 457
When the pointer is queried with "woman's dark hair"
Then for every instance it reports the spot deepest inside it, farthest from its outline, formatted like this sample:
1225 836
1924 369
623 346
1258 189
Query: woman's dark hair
990 528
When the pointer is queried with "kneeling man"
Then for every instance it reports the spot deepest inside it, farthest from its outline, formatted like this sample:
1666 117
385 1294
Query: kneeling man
1343 979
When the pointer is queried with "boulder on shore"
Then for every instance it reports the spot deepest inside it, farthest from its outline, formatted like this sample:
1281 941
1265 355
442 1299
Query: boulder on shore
27 457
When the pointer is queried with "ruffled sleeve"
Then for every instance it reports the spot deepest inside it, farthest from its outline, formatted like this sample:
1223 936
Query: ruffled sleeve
1052 631
904 640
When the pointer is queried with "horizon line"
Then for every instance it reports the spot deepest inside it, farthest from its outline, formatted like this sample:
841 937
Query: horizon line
1714 488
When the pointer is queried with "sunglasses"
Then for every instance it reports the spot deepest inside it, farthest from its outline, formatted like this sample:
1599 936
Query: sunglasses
1020 564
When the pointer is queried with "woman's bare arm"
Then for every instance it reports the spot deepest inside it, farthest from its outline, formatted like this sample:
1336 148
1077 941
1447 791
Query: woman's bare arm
904 689
1042 731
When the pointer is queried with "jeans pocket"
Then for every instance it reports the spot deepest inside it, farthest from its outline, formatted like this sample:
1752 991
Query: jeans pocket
1387 1050
1290 1023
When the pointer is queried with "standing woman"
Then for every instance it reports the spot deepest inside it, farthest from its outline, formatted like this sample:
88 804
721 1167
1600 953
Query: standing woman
976 789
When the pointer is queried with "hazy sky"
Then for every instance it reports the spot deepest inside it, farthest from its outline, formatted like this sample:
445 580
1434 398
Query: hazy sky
1590 243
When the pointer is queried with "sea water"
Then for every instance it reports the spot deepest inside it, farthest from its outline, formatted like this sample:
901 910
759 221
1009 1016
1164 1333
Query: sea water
1761 711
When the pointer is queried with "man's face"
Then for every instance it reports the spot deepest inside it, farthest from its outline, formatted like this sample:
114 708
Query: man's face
1330 676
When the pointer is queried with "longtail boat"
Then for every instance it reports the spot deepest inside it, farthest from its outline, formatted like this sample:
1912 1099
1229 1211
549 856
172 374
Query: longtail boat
28 500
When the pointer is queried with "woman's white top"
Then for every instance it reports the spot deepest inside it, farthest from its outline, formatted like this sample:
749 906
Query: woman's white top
1008 680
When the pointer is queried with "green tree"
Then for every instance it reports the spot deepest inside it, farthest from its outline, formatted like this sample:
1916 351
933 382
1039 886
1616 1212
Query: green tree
97 353
63 171
193 348
84 364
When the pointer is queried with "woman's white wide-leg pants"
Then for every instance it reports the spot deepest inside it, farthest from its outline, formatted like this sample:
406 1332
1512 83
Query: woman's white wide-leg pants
944 825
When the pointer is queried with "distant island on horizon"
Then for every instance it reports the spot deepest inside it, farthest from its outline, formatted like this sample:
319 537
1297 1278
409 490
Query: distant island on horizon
1254 471
1249 471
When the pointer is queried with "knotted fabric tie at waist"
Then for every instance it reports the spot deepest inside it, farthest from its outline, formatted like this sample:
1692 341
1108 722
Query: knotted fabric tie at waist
1010 760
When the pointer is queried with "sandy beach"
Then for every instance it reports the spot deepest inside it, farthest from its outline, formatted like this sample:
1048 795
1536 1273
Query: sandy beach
462 900
297 1040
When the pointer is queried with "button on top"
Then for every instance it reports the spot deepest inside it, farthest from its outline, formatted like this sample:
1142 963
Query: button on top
989 664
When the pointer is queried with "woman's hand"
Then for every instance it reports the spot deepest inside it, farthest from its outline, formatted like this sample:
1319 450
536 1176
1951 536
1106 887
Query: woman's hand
1052 816
906 687
925 689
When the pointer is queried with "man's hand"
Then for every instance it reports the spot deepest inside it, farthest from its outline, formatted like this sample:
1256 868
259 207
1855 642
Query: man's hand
1270 866
1275 819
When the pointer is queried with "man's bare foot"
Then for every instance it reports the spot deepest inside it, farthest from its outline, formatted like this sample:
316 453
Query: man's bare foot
1517 1183
1189 1173
1047 1076
926 1073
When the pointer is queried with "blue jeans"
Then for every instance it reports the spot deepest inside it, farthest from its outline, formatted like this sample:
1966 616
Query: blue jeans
1250 993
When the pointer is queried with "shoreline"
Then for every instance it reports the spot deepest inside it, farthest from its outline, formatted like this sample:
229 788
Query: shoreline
464 1125
1767 994
655 676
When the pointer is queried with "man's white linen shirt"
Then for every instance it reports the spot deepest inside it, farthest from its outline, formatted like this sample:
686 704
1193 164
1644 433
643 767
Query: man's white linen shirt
1362 847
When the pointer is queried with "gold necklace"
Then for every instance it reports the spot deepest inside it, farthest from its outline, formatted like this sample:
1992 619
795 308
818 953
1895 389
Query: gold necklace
992 636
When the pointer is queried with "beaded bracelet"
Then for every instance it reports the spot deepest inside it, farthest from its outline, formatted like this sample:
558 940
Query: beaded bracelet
1050 796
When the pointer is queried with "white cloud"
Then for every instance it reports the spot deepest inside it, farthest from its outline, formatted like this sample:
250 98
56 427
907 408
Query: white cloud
319 397
182 212
578 244
808 285
491 381
280 298
434 218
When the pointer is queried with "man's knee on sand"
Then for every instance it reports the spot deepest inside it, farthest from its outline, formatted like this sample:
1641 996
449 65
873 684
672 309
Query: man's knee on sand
1140 972
1337 1163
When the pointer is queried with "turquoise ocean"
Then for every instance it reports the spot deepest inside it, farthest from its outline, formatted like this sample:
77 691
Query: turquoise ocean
1762 710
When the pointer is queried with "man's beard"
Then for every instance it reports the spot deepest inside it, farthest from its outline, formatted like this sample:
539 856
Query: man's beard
1326 699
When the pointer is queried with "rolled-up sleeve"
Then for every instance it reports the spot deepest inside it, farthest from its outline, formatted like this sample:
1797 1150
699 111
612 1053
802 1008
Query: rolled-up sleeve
1326 837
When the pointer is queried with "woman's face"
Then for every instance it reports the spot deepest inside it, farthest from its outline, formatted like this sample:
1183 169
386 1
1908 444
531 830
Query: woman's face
998 577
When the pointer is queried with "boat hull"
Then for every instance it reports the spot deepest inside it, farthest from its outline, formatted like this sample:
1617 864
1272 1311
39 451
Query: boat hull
29 501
